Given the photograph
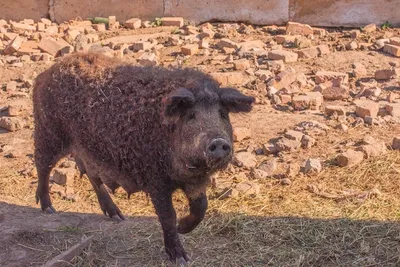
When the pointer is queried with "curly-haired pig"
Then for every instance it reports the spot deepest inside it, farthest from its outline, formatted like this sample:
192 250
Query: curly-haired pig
145 129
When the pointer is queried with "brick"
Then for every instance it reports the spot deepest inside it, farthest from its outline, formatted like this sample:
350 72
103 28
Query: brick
226 43
392 49
353 45
280 39
288 145
13 46
316 100
359 70
366 108
241 133
11 86
395 41
386 74
172 21
21 28
319 32
339 110
337 78
206 33
52 46
204 43
190 49
393 109
47 22
301 102
241 64
286 56
133 23
298 28
229 78
9 36
308 53
148 59
350 158
52 30
40 27
336 93
136 46
101 27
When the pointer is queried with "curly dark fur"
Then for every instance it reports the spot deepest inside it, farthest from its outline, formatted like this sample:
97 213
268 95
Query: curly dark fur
130 126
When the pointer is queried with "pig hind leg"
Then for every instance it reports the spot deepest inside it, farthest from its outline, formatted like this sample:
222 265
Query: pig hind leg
107 205
48 150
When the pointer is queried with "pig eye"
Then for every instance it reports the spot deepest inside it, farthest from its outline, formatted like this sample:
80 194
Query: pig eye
223 114
192 116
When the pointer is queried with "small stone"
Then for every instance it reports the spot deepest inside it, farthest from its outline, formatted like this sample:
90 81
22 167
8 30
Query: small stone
323 50
313 166
393 109
14 110
294 135
286 181
190 49
204 43
276 65
248 188
14 154
45 21
350 158
331 110
292 170
343 127
269 149
11 86
229 78
241 64
148 59
319 32
133 23
366 108
386 74
372 147
63 176
245 159
174 40
241 133
269 166
286 56
288 145
359 70
172 21
307 142
396 143
308 53
11 124
354 34
353 45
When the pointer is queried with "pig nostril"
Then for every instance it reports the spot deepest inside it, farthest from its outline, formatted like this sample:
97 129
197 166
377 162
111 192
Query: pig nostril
213 147
226 147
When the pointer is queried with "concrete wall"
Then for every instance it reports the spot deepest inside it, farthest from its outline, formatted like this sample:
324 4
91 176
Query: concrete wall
352 13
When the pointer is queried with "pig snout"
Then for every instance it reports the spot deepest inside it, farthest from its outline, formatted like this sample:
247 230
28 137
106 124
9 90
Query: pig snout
218 149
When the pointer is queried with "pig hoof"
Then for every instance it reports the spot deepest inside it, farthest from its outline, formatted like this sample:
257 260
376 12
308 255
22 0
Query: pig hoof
50 210
117 218
181 262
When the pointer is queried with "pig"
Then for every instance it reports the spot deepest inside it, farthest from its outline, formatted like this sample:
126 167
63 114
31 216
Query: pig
148 129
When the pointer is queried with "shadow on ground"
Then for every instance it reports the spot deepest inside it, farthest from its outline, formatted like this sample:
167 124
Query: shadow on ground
30 238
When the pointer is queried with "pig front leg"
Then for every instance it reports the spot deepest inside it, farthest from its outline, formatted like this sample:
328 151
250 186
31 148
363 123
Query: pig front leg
198 206
162 202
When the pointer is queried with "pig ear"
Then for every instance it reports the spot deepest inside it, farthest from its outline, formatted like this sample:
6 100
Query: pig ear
235 101
178 102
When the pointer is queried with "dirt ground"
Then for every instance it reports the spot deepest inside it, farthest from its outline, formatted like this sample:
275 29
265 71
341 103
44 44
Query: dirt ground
282 225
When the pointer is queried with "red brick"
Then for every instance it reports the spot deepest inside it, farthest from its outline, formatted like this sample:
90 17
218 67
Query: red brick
229 78
308 53
337 78
190 49
14 46
133 23
298 28
392 49
172 21
366 108
286 56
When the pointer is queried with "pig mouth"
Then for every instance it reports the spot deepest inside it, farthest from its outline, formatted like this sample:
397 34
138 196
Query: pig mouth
207 165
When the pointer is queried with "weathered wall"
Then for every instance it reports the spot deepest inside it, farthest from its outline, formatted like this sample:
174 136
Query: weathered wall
352 13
